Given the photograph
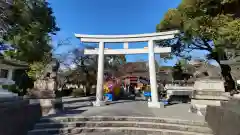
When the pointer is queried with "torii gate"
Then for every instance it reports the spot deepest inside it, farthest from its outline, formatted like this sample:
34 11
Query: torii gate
150 50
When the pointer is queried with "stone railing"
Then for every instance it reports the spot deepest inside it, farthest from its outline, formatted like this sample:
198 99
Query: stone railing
18 116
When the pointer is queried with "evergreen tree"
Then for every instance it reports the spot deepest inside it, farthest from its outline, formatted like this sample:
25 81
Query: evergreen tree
177 72
208 25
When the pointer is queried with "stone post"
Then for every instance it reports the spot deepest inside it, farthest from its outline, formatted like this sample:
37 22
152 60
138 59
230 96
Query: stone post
99 93
10 74
154 103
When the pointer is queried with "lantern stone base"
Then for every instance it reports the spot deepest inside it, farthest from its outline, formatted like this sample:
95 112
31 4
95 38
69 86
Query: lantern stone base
99 103
49 106
155 104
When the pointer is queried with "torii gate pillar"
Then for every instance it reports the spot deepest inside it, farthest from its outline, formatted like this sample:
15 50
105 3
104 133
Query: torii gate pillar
100 75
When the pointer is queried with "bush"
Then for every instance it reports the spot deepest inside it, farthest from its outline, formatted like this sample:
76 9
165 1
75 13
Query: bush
5 87
64 92
78 92
13 88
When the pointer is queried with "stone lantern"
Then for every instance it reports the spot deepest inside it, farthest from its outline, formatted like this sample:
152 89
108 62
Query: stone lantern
45 89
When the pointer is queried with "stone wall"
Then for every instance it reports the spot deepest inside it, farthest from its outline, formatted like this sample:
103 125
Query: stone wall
222 120
17 117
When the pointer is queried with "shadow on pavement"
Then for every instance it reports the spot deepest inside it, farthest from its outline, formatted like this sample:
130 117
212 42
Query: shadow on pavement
74 100
76 107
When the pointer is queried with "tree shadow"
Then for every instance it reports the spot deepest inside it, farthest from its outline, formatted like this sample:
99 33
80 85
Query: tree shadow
119 101
170 104
65 113
80 100
18 116
70 108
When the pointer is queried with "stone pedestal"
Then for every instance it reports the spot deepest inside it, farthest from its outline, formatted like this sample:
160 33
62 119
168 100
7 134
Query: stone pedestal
44 93
155 104
99 103
207 92
50 106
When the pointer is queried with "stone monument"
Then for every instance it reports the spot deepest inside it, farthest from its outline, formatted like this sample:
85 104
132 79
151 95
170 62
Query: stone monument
208 90
45 88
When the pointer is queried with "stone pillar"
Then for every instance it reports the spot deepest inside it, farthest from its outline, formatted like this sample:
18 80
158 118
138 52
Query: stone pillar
99 93
10 74
154 103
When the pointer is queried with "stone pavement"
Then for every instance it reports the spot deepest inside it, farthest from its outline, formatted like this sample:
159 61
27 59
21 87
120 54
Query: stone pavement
83 107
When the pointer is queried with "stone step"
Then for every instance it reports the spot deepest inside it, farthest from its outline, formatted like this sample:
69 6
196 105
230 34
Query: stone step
123 124
123 118
123 130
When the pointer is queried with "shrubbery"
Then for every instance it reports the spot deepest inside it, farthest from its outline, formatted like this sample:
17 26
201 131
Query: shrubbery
14 89
79 92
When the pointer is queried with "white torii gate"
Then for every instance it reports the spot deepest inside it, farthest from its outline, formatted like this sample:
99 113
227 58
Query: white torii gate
150 50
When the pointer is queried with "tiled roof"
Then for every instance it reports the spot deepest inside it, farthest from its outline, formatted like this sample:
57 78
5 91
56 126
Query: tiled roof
141 69
134 67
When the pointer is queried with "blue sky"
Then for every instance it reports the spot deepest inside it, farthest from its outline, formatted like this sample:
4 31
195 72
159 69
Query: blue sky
109 17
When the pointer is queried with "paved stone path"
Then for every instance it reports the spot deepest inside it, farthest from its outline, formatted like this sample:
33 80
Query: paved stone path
82 107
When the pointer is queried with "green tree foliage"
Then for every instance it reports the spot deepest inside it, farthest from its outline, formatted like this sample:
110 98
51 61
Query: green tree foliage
36 68
177 71
209 25
85 71
28 27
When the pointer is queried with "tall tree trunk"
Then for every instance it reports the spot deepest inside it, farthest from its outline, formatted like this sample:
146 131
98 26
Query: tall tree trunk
88 84
88 88
226 73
